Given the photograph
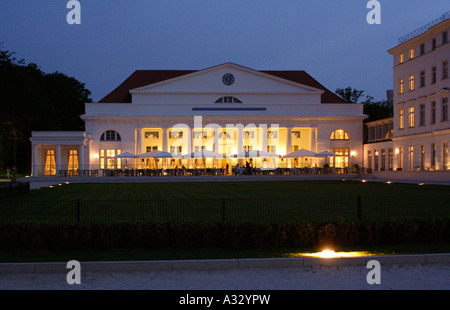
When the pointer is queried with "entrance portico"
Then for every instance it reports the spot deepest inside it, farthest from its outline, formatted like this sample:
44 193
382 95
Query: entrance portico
58 151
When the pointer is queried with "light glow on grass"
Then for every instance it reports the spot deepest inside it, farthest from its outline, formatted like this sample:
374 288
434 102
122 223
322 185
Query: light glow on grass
332 254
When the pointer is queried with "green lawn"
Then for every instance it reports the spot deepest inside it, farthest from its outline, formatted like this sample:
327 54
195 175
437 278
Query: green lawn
265 201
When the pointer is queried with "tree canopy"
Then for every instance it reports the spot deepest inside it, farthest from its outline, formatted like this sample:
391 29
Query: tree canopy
31 99
374 109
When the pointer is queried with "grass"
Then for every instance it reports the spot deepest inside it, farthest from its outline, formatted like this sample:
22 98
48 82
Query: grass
265 201
174 254
212 190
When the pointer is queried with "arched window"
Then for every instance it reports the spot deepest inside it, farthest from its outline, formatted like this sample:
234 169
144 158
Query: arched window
339 134
228 99
110 135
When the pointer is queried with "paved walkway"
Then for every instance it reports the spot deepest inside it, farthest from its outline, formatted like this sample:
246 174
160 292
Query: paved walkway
403 272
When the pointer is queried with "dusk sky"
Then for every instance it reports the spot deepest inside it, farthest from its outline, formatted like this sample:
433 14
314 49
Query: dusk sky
331 40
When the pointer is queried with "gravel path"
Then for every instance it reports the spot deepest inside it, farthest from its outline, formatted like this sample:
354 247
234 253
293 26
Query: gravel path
393 277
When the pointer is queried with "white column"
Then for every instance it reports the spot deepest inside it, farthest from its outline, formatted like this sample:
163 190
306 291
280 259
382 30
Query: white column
81 157
289 140
313 140
165 146
138 141
58 159
35 155
165 140
240 137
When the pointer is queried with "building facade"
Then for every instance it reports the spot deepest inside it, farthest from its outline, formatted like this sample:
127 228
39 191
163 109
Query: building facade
421 126
227 109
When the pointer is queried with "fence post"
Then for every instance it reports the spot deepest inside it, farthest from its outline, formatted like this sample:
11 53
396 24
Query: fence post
78 202
223 209
359 208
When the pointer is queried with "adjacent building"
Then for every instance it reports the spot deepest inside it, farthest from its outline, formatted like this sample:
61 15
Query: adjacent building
420 130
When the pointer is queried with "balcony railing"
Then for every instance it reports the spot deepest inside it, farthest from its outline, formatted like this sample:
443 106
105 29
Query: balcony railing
424 29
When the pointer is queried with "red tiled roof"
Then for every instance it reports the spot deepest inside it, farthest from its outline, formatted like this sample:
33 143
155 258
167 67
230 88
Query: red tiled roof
146 77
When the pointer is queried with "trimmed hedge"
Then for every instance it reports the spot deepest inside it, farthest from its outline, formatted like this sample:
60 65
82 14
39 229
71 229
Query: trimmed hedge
38 236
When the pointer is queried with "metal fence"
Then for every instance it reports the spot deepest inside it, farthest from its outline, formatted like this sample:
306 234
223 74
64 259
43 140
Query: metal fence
11 189
296 209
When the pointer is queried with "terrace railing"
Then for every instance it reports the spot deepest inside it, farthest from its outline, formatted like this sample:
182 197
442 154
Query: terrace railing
424 29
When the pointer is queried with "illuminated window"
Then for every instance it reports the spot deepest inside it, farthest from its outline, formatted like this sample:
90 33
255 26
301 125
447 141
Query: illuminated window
400 158
411 116
108 160
411 53
402 86
401 119
341 158
402 58
411 158
73 160
50 162
110 135
339 134
411 82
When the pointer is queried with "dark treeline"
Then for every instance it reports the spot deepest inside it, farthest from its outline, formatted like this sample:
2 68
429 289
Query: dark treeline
32 100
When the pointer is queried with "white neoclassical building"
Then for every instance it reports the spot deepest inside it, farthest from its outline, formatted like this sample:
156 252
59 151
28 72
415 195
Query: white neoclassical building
227 109
417 137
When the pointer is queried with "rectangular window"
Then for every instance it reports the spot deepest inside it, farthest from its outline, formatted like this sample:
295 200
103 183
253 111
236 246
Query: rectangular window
422 79
411 158
422 115
411 82
50 162
433 75
402 58
341 158
369 159
444 109
151 148
400 158
401 119
444 37
108 160
445 69
433 155
402 86
411 116
383 160
411 54
73 160
445 155
176 150
433 44
376 161
422 49
391 159
433 112
422 157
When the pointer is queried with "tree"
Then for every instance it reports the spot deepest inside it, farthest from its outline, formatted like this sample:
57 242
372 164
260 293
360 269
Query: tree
374 109
349 94
34 100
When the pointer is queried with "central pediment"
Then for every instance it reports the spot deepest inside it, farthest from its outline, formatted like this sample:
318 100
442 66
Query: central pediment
228 78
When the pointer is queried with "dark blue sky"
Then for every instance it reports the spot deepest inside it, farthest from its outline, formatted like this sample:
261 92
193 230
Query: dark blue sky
331 40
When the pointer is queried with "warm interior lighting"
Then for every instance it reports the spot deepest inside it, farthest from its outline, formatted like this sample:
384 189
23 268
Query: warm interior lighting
397 151
364 181
352 153
95 156
332 254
